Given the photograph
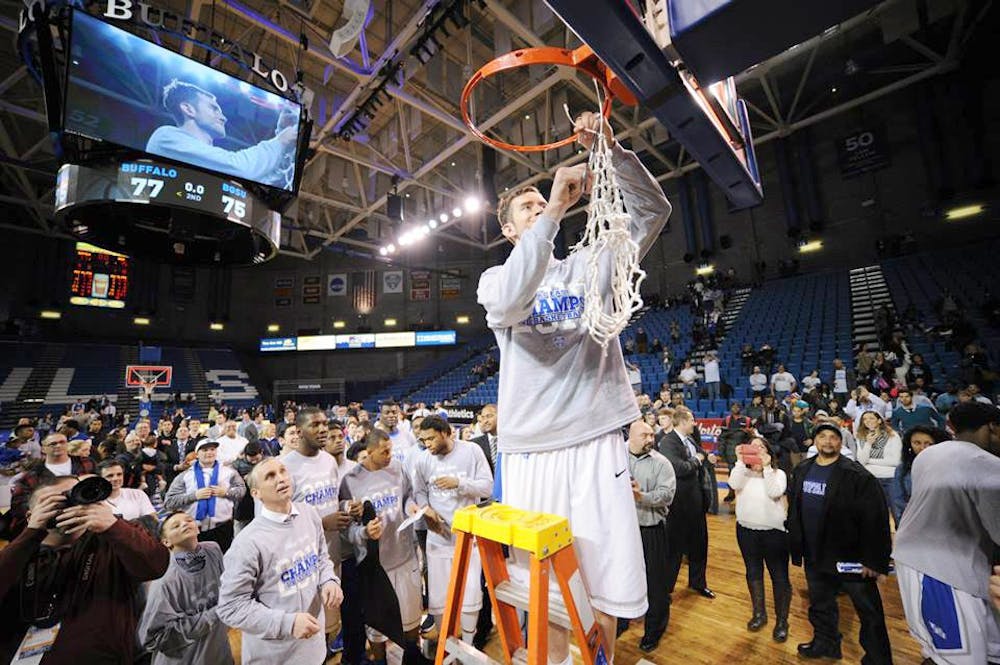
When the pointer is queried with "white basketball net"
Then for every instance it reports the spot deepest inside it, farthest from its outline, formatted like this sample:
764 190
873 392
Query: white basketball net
608 236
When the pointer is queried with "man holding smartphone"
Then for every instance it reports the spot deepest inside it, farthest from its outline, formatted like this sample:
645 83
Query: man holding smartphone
836 516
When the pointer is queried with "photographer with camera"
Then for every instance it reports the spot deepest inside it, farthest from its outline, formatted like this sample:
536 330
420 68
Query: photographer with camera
761 510
68 582
58 462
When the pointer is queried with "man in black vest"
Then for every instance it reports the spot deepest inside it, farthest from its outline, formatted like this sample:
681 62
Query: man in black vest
838 523
686 526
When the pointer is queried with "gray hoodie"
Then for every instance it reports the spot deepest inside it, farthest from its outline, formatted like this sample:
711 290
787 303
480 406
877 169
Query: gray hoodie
556 382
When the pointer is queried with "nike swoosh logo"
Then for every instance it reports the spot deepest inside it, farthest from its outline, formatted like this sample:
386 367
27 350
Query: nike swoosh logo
620 473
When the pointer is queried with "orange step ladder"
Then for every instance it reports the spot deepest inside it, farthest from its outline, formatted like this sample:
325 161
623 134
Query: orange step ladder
548 541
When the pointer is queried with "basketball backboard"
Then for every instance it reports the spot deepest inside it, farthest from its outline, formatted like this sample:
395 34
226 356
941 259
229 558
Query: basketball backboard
141 376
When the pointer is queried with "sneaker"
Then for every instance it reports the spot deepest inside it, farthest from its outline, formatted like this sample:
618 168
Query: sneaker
337 645
427 623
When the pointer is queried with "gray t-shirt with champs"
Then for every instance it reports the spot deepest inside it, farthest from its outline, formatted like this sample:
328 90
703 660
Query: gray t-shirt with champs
390 492
272 572
466 462
556 382
316 481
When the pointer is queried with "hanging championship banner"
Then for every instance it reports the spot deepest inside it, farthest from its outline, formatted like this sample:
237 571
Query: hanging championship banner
311 290
864 151
283 288
336 284
420 285
392 281
450 287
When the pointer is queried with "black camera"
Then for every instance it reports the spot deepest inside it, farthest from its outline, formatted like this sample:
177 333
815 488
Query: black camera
87 491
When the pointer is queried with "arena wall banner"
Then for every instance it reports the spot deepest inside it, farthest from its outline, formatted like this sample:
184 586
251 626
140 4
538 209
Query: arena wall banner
283 287
310 290
865 150
336 284
392 281
450 287
420 285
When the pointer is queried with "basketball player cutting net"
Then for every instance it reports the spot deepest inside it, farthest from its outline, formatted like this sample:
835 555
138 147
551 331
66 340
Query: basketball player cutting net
562 399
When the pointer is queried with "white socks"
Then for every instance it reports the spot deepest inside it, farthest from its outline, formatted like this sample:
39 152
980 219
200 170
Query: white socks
469 621
567 661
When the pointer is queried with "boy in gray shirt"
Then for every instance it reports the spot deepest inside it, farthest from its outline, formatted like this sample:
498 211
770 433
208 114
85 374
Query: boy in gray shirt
278 576
179 625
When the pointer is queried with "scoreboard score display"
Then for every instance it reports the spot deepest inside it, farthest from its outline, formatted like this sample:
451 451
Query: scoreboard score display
100 277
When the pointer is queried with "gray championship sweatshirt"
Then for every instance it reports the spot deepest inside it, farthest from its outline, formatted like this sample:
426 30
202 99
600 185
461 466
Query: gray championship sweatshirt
466 462
555 381
316 481
272 572
951 525
179 625
391 494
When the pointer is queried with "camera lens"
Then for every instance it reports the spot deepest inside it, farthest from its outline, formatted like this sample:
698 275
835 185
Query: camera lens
89 490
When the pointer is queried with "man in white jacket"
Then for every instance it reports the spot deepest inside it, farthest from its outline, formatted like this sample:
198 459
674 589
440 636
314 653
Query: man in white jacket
556 383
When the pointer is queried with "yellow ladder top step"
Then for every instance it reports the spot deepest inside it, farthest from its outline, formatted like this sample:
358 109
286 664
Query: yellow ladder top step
540 534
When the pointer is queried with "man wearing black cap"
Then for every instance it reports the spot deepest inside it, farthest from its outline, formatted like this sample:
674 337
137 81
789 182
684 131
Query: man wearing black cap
948 538
839 525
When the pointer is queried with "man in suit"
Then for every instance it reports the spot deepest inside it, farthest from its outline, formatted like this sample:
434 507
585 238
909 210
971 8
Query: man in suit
176 451
686 526
487 441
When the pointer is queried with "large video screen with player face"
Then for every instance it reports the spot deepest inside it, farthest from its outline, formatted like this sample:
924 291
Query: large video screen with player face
125 90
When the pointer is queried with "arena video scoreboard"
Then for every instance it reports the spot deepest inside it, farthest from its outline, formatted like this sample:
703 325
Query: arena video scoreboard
151 182
100 277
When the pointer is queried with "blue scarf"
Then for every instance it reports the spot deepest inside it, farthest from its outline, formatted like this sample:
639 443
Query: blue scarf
206 507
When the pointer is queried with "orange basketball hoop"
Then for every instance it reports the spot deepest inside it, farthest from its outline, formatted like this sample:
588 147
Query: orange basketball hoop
582 58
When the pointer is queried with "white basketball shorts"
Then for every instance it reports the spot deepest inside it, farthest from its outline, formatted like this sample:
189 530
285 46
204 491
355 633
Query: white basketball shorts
406 582
439 560
588 484
952 626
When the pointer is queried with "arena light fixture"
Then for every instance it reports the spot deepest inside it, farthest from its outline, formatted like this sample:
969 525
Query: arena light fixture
141 321
273 327
704 269
432 224
472 203
462 318
811 246
391 248
339 325
50 314
383 251
443 217
216 326
456 212
389 323
965 211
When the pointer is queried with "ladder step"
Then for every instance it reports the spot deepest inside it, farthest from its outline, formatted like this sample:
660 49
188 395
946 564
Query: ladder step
460 652
518 596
